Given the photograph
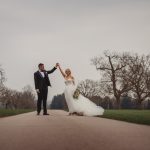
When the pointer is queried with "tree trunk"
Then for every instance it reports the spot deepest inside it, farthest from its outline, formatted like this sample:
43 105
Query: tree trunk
6 106
118 102
139 104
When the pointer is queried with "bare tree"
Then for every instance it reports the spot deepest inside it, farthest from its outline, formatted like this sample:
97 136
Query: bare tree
2 76
28 97
139 77
112 66
5 97
89 88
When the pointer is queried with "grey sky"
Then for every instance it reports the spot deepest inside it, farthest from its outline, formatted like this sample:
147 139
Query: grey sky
70 32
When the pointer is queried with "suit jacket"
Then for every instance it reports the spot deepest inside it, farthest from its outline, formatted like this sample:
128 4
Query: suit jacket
42 82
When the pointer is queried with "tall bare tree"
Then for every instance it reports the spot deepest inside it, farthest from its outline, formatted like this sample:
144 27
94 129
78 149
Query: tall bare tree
139 77
111 66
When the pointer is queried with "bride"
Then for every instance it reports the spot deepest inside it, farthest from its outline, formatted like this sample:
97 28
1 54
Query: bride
81 106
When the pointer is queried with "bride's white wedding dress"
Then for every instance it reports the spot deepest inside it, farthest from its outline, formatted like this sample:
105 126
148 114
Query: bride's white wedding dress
82 104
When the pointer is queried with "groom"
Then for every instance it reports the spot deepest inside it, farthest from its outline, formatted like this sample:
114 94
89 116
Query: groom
42 82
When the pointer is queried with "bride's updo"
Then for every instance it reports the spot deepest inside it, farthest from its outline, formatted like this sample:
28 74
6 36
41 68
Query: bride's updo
68 72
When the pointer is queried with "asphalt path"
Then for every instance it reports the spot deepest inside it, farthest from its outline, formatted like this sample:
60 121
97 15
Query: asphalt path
62 132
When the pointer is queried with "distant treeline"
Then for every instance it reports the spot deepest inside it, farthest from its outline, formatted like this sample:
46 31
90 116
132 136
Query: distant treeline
14 99
59 102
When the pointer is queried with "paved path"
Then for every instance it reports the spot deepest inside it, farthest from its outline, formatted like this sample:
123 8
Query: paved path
62 132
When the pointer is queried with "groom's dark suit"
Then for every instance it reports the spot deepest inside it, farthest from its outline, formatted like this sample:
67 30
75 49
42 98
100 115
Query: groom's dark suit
41 83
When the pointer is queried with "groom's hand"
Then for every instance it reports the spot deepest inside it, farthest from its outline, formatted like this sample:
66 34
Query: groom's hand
57 64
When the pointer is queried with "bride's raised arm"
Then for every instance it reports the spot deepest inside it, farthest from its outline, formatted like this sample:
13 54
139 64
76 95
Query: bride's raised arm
63 74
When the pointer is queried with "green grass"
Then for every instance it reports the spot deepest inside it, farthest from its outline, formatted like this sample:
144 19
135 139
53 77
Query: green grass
10 112
134 116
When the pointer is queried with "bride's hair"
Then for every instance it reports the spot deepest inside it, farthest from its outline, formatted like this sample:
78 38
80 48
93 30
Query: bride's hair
68 71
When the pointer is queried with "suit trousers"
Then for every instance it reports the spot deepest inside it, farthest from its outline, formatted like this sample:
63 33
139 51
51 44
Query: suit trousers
42 97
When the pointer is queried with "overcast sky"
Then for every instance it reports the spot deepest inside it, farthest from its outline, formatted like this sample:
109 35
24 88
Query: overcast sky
70 32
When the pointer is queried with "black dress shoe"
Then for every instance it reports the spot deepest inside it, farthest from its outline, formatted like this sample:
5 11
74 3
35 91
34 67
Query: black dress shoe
38 114
46 114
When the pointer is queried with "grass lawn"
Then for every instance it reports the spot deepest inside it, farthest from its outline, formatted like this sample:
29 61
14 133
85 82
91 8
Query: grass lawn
134 116
10 112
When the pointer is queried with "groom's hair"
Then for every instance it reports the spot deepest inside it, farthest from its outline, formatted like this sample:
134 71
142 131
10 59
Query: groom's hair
40 65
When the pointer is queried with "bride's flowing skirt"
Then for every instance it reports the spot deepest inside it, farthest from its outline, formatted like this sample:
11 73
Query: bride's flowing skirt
82 104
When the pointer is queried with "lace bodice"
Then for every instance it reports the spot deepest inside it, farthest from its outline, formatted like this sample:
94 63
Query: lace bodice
69 82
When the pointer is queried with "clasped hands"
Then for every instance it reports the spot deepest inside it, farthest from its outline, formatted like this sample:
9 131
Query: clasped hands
57 65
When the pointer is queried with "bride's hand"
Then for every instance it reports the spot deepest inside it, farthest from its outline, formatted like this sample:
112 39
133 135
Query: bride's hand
59 66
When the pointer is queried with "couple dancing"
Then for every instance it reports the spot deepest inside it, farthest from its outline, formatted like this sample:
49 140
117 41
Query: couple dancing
80 106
